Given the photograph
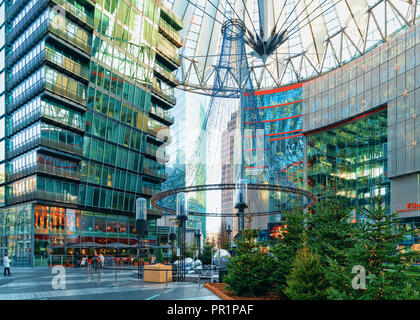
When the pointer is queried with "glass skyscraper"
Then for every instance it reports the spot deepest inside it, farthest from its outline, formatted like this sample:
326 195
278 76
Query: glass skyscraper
85 89
189 114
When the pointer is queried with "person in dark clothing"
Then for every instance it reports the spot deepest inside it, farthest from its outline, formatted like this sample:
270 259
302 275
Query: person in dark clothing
77 259
96 262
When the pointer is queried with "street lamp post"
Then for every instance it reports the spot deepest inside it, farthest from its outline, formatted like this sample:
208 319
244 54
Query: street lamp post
241 202
141 228
198 235
181 216
229 231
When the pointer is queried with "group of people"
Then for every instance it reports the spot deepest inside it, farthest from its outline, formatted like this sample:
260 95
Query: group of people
98 260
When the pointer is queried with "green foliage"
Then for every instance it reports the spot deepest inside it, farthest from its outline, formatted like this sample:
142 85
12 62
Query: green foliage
205 255
331 236
284 250
306 280
386 266
249 271
159 256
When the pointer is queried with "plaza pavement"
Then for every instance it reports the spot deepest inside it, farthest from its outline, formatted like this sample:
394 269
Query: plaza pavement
37 284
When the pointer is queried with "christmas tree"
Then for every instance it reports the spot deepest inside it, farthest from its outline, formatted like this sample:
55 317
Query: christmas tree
378 254
306 280
250 270
332 235
285 247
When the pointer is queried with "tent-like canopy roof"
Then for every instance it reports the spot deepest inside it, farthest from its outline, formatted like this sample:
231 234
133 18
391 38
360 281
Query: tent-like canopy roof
318 35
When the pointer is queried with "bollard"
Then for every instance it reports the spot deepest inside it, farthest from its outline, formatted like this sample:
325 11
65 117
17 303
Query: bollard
87 269
99 276
116 282
61 261
166 278
41 262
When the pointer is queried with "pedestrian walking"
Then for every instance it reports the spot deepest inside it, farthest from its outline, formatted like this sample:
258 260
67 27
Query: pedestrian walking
6 264
77 258
96 261
102 259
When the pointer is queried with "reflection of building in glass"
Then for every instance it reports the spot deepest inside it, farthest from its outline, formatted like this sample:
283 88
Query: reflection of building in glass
349 160
281 113
227 162
189 114
84 99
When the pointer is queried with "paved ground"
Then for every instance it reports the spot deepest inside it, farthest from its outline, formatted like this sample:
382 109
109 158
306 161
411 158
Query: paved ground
38 284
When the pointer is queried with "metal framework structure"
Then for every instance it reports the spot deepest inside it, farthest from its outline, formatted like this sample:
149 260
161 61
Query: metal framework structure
316 36
311 197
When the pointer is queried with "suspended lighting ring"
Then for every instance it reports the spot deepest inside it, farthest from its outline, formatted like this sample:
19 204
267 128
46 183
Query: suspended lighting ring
231 186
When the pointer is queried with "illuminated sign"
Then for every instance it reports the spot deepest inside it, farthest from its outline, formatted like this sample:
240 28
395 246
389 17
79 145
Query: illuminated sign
412 206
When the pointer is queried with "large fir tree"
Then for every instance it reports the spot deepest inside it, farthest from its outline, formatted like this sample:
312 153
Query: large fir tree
306 280
378 252
332 234
284 249
250 269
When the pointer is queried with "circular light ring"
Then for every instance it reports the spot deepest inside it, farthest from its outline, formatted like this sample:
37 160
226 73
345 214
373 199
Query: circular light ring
231 186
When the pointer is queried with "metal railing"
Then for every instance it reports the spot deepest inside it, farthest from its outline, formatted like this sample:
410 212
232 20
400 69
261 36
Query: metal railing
171 33
42 195
154 173
168 53
74 40
165 73
33 116
156 89
75 12
66 63
65 92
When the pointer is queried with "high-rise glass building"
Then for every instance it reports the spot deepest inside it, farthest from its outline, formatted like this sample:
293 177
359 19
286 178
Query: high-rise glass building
183 168
86 88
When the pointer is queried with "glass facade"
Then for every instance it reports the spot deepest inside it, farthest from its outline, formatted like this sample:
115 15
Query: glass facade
81 107
349 160
189 114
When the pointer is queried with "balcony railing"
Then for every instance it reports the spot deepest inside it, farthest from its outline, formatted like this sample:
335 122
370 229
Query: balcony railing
26 120
76 41
47 169
162 115
65 92
154 173
171 33
30 144
166 74
156 89
151 151
75 12
62 146
62 172
168 53
67 64
42 195
33 116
